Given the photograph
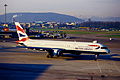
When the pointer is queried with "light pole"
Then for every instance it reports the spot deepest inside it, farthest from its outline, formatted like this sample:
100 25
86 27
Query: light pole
5 13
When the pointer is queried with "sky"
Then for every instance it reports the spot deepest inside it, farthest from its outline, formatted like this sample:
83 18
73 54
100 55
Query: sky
101 8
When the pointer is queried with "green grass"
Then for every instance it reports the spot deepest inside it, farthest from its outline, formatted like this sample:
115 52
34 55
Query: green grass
90 32
73 31
111 36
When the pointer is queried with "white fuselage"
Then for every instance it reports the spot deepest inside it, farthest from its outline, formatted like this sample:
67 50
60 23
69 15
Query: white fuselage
57 48
67 45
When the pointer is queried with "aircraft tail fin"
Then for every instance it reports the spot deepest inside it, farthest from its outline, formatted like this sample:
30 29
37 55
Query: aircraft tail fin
21 33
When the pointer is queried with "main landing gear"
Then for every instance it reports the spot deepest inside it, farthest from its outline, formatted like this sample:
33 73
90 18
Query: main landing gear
54 52
50 54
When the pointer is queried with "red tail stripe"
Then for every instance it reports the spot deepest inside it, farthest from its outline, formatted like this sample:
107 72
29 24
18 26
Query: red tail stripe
23 39
19 29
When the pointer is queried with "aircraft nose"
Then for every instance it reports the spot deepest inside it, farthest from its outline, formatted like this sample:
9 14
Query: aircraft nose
108 51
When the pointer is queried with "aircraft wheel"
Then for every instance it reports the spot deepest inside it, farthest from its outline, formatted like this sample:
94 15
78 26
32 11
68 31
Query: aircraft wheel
60 53
50 54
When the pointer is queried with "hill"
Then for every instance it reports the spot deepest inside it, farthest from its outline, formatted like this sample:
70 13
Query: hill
104 19
31 17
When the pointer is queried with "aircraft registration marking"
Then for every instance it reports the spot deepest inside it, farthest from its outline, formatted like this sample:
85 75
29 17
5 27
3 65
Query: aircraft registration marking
79 48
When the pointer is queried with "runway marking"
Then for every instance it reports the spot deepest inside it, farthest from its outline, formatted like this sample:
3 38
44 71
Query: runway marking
100 70
116 66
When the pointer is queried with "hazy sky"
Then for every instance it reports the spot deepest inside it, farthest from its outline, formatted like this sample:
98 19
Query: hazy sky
72 7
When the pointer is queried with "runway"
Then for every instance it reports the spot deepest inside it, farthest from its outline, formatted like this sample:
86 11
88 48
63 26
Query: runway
20 63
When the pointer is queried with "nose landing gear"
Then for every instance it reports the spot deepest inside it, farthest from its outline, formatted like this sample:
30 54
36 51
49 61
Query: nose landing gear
96 56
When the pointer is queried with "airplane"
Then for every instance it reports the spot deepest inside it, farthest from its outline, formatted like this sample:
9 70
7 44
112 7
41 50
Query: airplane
57 48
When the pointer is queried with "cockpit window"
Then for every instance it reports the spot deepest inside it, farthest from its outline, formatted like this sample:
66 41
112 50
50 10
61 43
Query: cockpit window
104 48
97 48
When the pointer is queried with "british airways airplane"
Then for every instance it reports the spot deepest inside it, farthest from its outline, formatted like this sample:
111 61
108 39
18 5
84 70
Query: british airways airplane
57 48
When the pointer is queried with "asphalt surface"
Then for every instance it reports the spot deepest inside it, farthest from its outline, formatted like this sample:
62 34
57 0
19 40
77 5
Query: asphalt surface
24 64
